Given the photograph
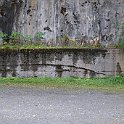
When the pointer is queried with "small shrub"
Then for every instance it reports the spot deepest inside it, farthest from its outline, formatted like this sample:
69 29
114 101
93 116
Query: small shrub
121 40
3 36
15 37
64 40
112 45
39 36
68 41
27 38
120 44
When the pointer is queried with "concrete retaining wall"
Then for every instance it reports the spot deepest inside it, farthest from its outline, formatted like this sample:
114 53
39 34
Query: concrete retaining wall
61 63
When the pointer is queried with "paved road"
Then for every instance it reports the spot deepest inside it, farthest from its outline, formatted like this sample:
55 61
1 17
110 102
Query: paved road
55 106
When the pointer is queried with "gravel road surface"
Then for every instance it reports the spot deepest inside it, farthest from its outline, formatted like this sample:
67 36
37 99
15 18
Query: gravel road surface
57 106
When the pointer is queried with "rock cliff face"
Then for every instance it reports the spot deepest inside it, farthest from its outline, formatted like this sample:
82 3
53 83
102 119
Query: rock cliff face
79 19
9 15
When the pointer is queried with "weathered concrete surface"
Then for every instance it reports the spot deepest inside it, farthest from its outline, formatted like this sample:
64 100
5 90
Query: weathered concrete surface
61 62
55 106
80 19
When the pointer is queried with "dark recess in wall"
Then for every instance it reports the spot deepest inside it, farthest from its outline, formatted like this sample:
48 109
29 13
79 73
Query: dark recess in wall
9 12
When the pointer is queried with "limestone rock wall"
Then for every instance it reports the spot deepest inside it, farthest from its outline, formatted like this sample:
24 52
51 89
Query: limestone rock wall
79 19
9 15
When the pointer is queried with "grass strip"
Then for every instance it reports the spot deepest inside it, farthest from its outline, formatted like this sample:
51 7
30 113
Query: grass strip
108 83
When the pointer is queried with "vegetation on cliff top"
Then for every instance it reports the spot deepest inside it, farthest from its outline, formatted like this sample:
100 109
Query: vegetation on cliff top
19 41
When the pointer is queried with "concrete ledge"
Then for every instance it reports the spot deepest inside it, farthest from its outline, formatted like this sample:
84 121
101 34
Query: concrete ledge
61 62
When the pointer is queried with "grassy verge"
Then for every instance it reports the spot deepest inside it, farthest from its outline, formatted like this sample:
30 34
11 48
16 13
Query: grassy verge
108 83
